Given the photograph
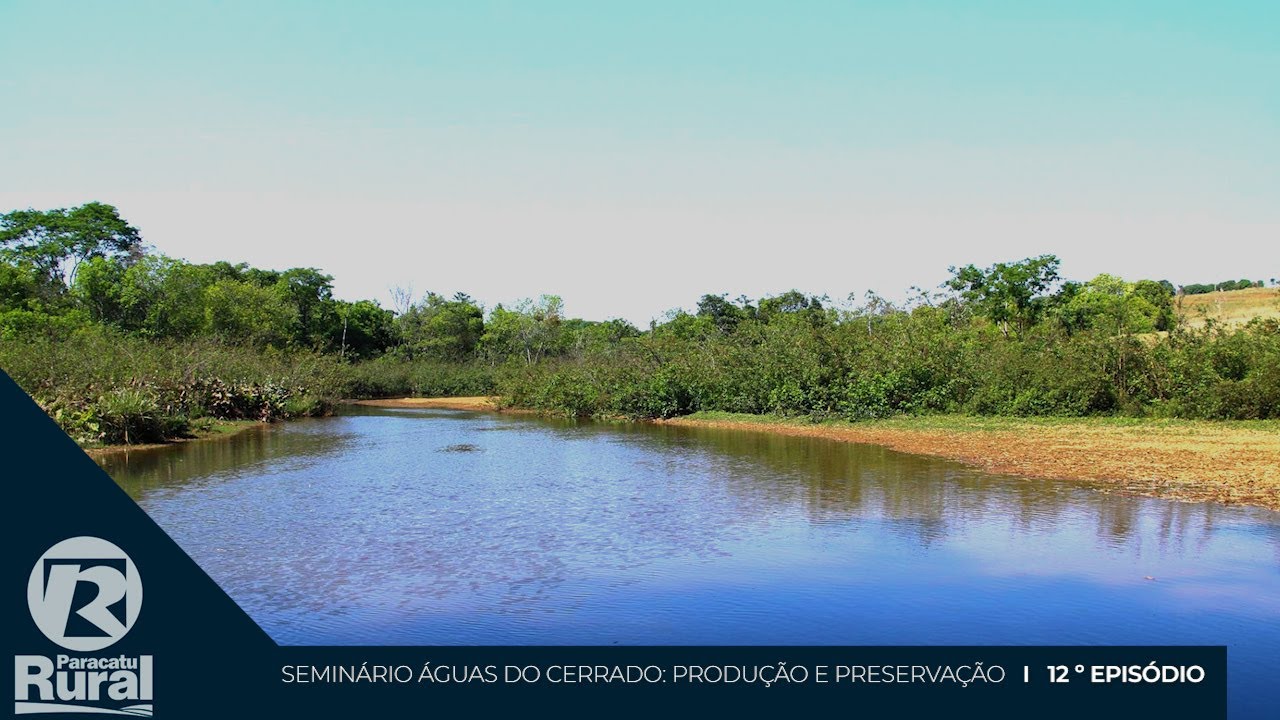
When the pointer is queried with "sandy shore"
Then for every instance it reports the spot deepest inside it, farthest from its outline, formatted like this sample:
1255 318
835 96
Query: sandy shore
1233 463
449 403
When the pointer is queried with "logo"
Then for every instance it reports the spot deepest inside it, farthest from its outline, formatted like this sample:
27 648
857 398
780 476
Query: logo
84 594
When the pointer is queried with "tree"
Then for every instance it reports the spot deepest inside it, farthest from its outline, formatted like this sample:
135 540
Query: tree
1120 308
585 337
1159 296
99 287
56 242
20 286
1008 294
240 311
365 329
177 308
532 330
311 294
401 299
722 313
442 329
792 303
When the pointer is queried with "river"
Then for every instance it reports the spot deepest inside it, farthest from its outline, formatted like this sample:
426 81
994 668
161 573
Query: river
384 526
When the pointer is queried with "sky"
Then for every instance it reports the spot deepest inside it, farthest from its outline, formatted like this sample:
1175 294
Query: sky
632 157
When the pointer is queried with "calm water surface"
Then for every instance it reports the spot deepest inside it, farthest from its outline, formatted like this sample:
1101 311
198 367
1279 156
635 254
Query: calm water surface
447 527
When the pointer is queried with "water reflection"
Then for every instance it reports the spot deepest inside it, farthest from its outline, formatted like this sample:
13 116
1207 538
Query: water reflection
823 481
831 481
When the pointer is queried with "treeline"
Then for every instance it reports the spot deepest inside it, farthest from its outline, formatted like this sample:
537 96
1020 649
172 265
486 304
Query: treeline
63 270
120 343
1201 289
1010 339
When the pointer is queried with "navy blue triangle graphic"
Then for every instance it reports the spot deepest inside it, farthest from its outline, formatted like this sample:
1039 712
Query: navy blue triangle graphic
203 644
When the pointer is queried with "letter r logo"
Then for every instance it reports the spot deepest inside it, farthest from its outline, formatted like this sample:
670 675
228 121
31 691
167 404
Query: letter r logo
84 593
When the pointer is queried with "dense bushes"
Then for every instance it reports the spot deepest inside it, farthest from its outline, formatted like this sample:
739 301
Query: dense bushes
392 376
102 386
860 367
1011 339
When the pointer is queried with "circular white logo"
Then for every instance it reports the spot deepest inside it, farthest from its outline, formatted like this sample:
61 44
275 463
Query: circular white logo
84 593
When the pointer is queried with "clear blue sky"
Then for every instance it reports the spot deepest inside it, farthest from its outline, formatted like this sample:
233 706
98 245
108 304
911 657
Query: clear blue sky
633 157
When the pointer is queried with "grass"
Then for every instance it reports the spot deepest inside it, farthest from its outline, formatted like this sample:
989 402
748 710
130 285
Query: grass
1232 307
209 427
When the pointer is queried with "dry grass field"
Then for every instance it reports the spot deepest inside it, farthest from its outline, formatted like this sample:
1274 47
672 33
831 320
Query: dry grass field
1233 307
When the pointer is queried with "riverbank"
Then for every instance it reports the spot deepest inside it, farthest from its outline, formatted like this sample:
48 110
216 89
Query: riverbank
205 431
1197 461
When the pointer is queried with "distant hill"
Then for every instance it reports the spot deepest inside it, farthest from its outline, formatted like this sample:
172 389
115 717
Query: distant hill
1230 307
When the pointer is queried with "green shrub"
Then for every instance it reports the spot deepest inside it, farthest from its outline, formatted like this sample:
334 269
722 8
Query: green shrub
307 406
133 415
